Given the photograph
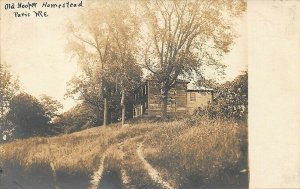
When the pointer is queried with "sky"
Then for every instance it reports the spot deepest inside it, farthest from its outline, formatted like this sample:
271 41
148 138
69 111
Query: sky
35 50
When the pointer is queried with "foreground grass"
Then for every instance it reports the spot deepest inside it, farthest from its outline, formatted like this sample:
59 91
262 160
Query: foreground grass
187 153
204 154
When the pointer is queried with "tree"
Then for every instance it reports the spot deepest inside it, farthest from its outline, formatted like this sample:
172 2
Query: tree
85 88
91 37
80 117
185 36
230 100
106 41
8 88
125 71
28 115
51 106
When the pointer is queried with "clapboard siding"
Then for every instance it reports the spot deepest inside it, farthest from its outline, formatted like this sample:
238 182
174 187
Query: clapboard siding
176 99
202 98
153 98
181 97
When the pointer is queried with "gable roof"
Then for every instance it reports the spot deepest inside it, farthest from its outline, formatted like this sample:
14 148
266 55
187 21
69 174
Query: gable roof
193 87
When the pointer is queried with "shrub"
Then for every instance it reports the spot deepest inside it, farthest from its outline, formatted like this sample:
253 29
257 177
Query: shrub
230 101
28 115
7 130
82 116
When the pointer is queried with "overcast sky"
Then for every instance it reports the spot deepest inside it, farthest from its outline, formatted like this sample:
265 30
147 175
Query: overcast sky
35 49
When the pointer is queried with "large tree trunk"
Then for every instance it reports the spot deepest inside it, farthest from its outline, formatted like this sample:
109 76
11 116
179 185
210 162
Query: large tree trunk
1 112
164 102
123 106
105 105
105 112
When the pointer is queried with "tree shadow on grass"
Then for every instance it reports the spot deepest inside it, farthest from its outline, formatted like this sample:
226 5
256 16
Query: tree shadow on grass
72 180
15 176
111 179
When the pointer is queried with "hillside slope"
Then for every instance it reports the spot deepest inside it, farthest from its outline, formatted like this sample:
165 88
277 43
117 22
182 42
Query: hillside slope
197 153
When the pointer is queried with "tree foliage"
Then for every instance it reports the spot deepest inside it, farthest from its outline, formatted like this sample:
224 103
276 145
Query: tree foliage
50 106
87 85
174 39
89 40
185 36
82 116
126 73
28 115
105 47
8 88
230 100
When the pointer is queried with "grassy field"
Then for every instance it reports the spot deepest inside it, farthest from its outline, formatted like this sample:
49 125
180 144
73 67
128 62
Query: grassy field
194 153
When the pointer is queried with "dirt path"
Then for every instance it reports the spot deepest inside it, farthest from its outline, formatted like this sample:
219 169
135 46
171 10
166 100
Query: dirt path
54 174
97 176
100 173
53 170
153 173
124 174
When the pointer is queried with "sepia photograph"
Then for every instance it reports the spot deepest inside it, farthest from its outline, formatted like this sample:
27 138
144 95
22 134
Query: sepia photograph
124 94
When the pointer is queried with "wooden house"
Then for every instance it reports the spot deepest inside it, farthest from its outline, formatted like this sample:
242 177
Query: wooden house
183 99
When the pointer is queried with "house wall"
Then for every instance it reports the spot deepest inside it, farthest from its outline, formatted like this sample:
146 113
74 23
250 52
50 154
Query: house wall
140 101
176 101
147 100
202 98
180 98
153 98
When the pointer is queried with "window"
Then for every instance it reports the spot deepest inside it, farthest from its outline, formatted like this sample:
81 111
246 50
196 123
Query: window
192 96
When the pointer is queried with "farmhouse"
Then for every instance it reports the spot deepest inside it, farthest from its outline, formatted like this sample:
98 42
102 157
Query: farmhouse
183 99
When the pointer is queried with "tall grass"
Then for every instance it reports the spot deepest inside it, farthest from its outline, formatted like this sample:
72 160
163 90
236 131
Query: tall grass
77 151
190 153
204 153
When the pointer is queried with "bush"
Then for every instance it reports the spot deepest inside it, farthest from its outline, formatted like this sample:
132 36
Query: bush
230 101
28 115
82 116
7 130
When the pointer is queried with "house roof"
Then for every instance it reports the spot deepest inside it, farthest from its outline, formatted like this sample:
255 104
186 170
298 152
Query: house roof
178 80
193 87
190 86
